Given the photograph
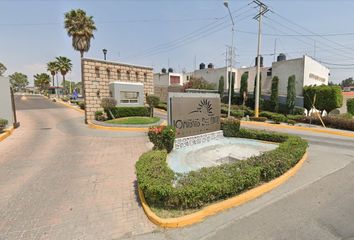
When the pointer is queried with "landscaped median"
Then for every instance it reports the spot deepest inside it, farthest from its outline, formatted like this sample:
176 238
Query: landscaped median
175 200
4 132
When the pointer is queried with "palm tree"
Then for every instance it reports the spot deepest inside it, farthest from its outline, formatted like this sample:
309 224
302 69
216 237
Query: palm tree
80 27
52 67
64 66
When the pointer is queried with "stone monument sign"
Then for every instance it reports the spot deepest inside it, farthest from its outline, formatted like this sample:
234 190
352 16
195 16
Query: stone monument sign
194 113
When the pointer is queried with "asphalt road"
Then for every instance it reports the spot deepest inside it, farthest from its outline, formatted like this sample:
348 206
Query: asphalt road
317 203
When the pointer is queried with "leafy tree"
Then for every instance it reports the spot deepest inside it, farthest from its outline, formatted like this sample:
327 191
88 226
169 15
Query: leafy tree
244 88
108 104
64 66
18 81
327 97
2 69
199 83
291 94
274 102
221 86
42 81
53 68
348 82
80 27
152 101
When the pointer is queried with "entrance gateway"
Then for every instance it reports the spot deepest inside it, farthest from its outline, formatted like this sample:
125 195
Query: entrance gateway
196 117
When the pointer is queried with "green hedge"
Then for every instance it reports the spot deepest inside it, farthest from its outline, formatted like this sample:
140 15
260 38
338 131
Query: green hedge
230 126
327 97
332 122
120 112
165 189
350 106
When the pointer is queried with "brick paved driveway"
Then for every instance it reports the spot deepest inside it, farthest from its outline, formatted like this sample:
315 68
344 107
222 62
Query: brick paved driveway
61 180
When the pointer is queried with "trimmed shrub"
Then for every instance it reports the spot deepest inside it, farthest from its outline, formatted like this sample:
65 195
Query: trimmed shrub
332 122
278 118
166 189
162 137
152 101
162 106
298 110
99 116
221 86
266 114
230 126
291 122
327 97
108 104
274 102
295 117
291 94
82 105
3 124
350 106
244 88
119 112
258 119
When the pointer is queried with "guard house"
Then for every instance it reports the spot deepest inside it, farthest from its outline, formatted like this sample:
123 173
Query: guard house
128 83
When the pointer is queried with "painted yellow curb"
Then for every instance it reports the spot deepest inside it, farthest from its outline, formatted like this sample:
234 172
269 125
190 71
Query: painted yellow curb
7 132
220 206
95 126
70 106
333 132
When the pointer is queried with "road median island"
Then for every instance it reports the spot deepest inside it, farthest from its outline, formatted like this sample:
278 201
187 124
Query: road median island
193 196
7 132
303 128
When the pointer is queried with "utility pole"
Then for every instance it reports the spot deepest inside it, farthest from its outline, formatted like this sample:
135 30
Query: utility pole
275 49
262 10
226 68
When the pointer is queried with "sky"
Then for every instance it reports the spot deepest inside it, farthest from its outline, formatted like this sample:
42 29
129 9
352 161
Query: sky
178 33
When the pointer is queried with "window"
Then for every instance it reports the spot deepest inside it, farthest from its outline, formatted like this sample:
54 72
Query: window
145 77
119 75
97 72
128 75
129 97
137 76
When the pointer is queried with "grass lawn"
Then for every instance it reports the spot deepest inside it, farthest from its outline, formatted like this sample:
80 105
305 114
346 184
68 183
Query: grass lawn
134 120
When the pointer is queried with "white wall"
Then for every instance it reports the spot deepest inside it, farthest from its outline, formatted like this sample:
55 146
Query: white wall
117 87
284 69
314 72
252 72
164 79
5 100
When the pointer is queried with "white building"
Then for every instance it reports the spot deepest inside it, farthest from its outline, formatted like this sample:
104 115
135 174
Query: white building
166 79
127 94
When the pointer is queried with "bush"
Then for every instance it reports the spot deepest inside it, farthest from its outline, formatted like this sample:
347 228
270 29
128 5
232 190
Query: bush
230 126
274 101
162 106
295 117
266 114
333 122
3 124
221 86
350 106
244 88
291 122
152 101
278 118
298 110
99 116
327 97
65 99
163 188
258 119
119 112
82 105
291 94
162 137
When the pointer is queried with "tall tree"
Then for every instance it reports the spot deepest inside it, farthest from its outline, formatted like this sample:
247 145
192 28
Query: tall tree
291 94
348 82
244 88
42 81
52 67
2 69
64 66
18 81
274 102
221 86
80 27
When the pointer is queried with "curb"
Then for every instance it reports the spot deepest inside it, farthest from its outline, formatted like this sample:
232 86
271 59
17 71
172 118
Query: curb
333 132
70 106
220 206
131 129
7 132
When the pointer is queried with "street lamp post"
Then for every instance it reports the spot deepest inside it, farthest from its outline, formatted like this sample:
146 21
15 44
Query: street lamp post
104 53
226 4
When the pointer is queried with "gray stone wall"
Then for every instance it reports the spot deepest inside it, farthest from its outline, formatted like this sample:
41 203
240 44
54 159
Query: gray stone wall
97 74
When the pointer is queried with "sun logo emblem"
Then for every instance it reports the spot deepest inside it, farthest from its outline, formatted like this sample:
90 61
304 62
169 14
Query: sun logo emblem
204 107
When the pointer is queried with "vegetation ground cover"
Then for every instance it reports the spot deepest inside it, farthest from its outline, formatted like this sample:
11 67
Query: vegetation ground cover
134 120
